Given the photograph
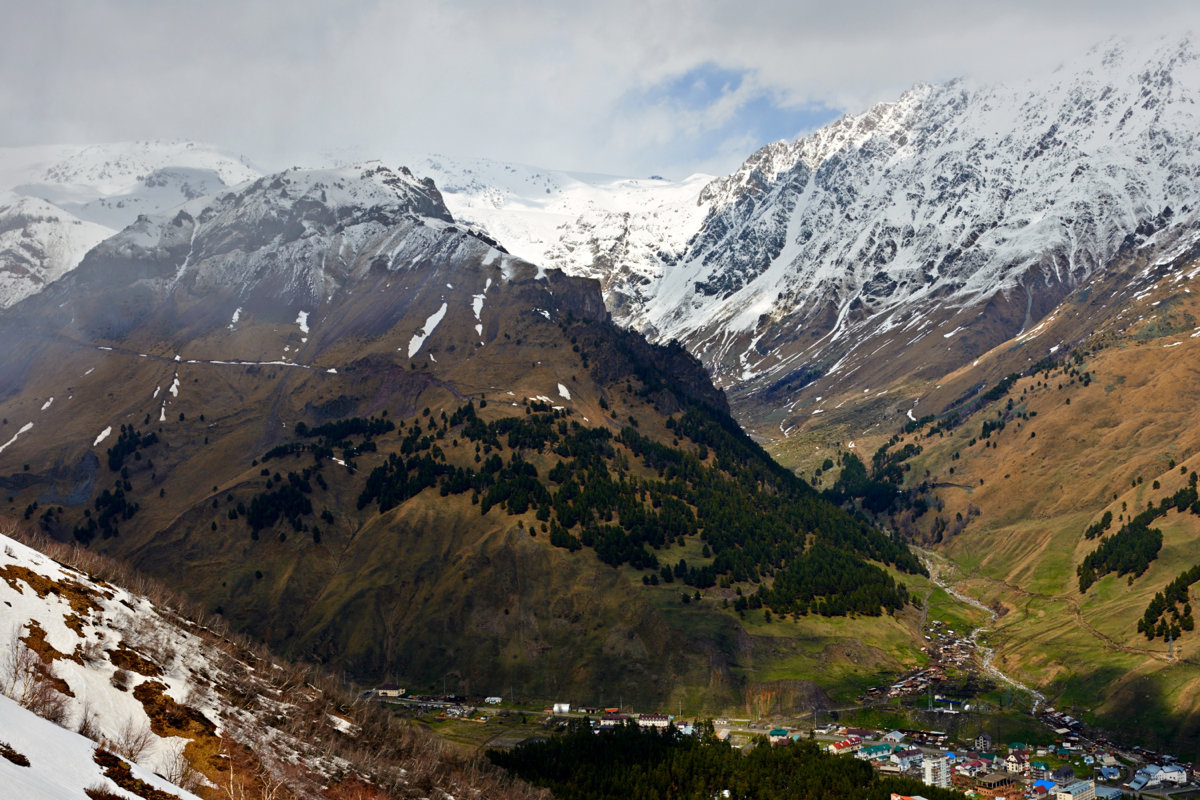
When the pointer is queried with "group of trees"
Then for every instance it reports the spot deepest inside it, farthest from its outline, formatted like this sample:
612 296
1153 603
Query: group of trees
1167 603
756 519
649 765
129 441
1130 550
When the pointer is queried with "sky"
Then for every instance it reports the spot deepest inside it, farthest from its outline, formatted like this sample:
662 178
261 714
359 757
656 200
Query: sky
625 87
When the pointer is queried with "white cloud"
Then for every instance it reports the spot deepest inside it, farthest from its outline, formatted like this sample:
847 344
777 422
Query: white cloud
549 83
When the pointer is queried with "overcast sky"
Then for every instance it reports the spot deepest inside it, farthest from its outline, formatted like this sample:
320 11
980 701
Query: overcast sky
630 87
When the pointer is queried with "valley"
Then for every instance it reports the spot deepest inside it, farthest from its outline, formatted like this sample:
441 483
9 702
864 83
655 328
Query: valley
899 408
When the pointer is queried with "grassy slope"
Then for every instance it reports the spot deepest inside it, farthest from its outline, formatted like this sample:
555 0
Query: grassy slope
1046 479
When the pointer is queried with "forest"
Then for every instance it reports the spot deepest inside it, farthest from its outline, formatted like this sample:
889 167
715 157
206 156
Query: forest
625 497
641 764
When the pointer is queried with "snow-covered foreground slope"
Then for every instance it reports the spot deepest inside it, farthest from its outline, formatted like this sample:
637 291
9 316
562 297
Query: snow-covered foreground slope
101 687
61 762
58 202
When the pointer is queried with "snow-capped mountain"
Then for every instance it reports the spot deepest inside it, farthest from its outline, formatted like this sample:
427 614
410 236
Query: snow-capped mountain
622 231
39 242
62 201
883 232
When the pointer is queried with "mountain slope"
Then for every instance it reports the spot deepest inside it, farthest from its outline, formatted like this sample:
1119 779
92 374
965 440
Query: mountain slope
1030 470
364 432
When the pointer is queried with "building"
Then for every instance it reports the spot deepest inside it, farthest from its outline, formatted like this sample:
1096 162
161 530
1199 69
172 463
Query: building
778 736
389 690
613 720
561 708
907 759
906 797
895 737
1079 790
983 742
876 752
936 771
654 721
1063 775
850 744
1173 773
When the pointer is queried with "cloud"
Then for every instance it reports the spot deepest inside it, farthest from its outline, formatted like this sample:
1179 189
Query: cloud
621 86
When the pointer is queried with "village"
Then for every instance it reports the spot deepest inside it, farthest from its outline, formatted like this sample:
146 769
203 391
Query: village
1075 766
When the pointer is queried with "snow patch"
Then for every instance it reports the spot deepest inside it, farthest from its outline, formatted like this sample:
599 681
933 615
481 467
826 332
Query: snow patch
103 435
47 404
24 429
564 392
420 336
302 321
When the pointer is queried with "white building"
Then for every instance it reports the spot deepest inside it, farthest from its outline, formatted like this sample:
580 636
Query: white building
936 770
1079 790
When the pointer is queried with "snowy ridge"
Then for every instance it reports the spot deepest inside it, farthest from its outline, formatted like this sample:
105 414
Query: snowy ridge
300 235
904 220
66 199
948 196
617 230
39 243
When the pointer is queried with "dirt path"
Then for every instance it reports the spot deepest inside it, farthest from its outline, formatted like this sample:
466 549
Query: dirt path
989 654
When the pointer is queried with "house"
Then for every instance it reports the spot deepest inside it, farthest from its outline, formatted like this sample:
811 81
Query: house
561 708
1079 790
1145 777
493 701
983 742
1063 774
876 752
907 759
1039 770
613 720
995 781
778 736
1108 793
1108 773
389 690
654 721
906 797
895 737
1044 788
1017 762
861 733
1173 773
850 744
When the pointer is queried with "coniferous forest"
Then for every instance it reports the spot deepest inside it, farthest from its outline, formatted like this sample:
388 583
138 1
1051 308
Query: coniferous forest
640 764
